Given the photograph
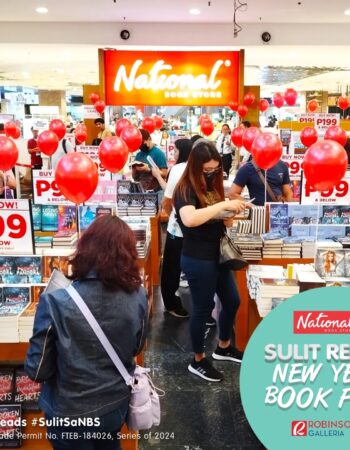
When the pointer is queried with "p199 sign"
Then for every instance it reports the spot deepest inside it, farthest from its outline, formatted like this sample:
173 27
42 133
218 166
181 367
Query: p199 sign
324 121
15 227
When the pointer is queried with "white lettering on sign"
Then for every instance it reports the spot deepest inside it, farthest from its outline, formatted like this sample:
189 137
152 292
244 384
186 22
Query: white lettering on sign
155 80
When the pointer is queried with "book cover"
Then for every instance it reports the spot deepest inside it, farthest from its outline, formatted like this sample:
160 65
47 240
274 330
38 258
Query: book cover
345 214
67 218
36 214
347 263
6 385
50 263
87 214
15 295
27 392
36 291
49 218
14 279
10 426
7 267
330 262
104 211
279 220
29 266
330 215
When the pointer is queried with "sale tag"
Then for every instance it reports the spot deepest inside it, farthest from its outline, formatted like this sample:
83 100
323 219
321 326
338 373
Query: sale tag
92 152
89 112
339 195
294 163
16 232
45 189
307 119
326 120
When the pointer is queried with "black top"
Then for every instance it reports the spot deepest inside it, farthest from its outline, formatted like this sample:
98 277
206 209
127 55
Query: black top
202 242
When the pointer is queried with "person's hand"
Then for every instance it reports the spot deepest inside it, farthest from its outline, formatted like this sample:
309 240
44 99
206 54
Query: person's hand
234 205
156 172
143 168
228 222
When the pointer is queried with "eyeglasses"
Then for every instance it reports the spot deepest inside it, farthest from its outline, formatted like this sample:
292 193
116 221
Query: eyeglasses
216 170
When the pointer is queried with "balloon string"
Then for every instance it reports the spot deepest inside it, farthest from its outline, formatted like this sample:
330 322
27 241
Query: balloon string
266 187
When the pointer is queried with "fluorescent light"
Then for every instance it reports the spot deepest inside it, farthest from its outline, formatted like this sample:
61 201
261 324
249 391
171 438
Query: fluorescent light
42 10
194 11
347 12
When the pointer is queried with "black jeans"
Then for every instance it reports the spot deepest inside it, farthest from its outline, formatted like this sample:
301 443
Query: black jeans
226 163
102 437
207 277
171 271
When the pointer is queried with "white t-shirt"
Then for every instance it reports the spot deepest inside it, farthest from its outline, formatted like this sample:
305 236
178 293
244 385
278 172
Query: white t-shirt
224 145
61 152
174 177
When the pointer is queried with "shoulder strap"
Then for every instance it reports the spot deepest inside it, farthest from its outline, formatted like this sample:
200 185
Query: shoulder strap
263 179
99 333
64 146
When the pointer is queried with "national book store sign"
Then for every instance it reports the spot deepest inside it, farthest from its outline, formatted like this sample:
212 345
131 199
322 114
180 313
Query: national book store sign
172 78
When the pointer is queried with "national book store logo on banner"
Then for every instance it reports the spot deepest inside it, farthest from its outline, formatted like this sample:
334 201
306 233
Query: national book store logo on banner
321 322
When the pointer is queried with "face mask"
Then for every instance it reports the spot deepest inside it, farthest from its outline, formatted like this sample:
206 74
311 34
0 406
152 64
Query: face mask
209 179
144 148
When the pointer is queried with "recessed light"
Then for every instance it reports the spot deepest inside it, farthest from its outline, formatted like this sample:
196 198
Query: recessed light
42 10
347 12
194 11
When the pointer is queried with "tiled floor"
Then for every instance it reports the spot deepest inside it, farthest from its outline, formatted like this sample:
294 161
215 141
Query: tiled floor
196 415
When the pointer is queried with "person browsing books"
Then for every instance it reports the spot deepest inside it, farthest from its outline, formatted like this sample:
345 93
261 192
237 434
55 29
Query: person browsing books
80 380
199 200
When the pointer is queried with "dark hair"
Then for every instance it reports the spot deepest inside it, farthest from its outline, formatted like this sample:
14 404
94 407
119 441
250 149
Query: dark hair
99 120
246 123
184 146
195 138
2 126
193 177
108 248
227 125
145 135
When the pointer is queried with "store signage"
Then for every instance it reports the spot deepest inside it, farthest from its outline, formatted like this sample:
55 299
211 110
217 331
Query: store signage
339 195
92 152
89 112
45 189
171 78
305 118
294 163
325 120
16 235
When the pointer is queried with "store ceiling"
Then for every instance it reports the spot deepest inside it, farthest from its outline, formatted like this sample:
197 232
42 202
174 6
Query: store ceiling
61 66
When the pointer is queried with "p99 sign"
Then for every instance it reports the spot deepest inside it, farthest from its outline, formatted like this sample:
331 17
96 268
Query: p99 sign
15 227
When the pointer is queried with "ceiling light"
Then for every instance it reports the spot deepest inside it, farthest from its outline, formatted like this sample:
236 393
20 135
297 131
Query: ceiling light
194 11
347 12
42 10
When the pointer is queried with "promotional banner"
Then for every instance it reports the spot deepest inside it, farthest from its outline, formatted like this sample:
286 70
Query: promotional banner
171 77
295 375
326 120
92 152
89 112
16 234
339 195
45 189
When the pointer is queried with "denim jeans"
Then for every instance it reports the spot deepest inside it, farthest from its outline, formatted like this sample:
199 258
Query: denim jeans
102 437
171 271
205 278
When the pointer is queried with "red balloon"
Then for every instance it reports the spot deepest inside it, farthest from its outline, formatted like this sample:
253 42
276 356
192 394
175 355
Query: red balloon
343 103
249 99
8 153
278 100
120 125
17 134
248 137
308 136
76 176
203 117
100 106
94 97
149 124
237 135
242 110
113 153
263 105
158 121
48 142
132 137
233 105
312 105
10 129
337 134
207 127
291 96
325 164
80 133
58 127
267 150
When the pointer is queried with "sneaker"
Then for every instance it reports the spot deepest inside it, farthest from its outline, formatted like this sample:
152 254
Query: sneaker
228 354
205 370
179 311
211 322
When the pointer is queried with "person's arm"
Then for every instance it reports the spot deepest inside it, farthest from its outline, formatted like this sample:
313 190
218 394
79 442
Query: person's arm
10 180
239 183
40 364
235 192
192 217
287 193
167 205
32 147
158 174
142 332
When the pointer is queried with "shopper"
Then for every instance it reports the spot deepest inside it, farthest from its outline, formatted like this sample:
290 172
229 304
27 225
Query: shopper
277 178
225 148
243 154
80 379
34 151
7 184
199 199
142 172
103 132
63 148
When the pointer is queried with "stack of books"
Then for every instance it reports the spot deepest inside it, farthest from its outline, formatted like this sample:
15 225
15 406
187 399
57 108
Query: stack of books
307 277
250 245
255 272
308 247
11 428
27 392
141 228
65 239
273 243
6 384
244 226
291 247
271 292
26 322
150 206
258 217
13 301
43 241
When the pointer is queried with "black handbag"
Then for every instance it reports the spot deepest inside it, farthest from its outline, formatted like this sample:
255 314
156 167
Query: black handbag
230 255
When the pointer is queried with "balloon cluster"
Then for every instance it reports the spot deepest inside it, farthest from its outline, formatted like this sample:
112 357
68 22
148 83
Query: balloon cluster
206 125
242 110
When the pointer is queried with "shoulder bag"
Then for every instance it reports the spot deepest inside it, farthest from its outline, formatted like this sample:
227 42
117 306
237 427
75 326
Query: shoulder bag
230 255
273 197
144 405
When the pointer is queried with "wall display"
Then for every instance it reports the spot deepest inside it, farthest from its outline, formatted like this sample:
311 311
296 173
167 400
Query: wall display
16 233
171 77
339 195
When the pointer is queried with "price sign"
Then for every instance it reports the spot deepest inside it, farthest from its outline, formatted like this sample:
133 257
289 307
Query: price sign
45 189
89 112
325 120
92 152
16 233
307 119
294 163
339 195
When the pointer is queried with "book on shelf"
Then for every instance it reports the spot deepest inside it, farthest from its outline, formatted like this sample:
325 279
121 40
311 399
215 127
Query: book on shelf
6 385
43 241
20 269
49 218
27 392
67 218
330 262
58 262
36 215
11 426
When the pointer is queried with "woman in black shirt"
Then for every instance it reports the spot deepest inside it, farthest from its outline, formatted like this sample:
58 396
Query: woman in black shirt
199 201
